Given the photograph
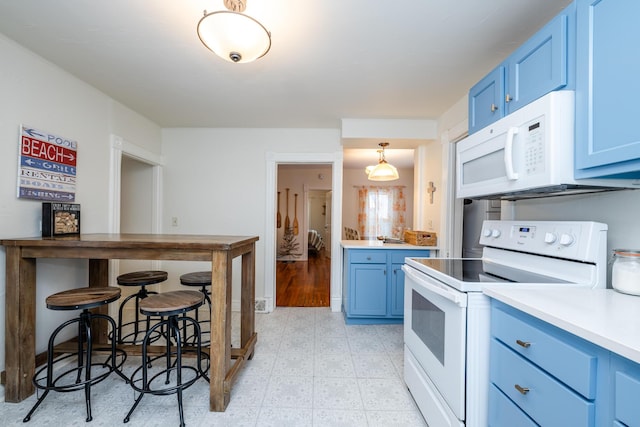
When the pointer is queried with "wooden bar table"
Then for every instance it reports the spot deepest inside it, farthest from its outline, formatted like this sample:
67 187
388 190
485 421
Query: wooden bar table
98 249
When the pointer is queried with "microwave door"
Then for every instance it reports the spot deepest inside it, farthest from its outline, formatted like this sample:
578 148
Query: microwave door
487 162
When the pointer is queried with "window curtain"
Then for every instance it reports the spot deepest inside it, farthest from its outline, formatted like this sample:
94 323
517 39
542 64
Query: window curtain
381 211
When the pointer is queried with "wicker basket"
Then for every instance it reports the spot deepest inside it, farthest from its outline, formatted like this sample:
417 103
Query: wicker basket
420 238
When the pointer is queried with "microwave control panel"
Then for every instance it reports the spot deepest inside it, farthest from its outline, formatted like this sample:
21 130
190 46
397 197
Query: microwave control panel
534 149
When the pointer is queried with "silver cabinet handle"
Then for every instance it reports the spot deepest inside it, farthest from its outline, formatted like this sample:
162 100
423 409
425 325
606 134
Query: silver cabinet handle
508 98
523 390
524 344
494 107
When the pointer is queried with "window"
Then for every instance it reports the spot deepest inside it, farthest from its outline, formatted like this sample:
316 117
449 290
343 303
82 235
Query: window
381 211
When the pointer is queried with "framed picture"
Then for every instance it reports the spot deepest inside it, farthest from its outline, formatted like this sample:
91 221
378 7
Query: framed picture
59 219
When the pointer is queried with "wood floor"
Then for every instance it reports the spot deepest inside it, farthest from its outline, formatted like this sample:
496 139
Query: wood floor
304 283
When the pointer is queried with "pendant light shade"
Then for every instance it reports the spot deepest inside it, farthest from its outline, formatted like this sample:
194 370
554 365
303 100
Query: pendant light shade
383 171
234 36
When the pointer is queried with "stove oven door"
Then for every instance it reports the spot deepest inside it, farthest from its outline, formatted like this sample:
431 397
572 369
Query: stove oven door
435 327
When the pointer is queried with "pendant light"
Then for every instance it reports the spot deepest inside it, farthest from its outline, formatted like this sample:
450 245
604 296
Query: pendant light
232 35
383 171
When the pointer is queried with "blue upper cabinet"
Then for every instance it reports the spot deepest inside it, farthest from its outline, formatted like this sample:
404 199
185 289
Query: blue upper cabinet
608 89
544 63
541 65
486 100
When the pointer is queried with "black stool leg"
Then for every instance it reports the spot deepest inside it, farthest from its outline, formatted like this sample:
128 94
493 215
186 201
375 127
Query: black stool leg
85 319
49 385
145 343
176 328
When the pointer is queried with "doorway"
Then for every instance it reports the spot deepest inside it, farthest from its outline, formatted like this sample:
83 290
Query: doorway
271 237
135 183
302 266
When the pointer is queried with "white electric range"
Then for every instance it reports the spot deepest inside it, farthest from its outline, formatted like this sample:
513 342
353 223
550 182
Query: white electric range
446 315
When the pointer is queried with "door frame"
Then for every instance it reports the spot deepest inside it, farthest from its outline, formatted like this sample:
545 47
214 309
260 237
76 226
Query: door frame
272 162
120 147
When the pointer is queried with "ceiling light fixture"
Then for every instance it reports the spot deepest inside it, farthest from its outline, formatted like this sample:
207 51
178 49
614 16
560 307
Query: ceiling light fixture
383 171
232 35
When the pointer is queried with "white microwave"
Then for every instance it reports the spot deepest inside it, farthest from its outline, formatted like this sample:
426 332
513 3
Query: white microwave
527 154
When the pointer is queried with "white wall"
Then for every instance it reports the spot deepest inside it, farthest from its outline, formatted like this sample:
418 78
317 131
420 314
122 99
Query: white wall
215 181
39 94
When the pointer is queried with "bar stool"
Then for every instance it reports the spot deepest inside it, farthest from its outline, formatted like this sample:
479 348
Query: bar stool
87 371
171 306
141 279
202 279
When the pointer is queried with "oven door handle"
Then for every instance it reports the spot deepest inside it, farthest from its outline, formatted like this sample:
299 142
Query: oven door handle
444 291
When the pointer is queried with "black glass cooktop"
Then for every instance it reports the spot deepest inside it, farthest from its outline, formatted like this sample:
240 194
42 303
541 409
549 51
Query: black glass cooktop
473 270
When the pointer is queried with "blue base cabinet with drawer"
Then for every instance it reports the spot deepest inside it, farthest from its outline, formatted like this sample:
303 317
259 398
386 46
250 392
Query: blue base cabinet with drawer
373 284
542 375
607 89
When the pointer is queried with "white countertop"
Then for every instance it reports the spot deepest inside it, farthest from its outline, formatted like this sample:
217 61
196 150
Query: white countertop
603 316
379 244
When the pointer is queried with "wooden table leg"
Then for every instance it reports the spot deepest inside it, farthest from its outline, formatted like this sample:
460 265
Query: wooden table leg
248 298
220 345
99 277
20 328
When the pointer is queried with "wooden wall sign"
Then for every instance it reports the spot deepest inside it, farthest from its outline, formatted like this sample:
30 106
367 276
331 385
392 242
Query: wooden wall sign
47 166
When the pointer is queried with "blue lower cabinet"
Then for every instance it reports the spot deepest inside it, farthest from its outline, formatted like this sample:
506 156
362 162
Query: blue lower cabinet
373 284
625 375
553 377
545 399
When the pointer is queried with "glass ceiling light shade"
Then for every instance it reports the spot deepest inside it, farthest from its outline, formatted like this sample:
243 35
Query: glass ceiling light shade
383 171
233 36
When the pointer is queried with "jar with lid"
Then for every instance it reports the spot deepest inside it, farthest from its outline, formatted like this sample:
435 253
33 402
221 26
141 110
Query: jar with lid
625 273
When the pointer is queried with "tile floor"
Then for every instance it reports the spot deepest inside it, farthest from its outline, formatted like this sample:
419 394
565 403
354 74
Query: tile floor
309 369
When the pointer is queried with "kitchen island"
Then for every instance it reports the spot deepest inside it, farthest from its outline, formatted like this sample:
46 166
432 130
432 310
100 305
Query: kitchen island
373 280
98 249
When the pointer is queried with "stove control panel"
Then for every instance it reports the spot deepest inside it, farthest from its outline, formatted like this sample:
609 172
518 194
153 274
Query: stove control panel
579 240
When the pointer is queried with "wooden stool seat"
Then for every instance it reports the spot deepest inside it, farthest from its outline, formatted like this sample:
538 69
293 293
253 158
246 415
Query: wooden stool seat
197 278
59 373
142 278
171 303
81 298
203 280
125 334
171 306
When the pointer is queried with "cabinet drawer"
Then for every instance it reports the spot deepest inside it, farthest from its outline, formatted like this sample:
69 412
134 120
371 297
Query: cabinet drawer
559 353
398 256
505 413
365 257
547 401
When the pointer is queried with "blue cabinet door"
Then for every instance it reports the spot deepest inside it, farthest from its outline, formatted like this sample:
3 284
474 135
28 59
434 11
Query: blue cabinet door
486 100
541 64
607 89
397 290
625 375
368 290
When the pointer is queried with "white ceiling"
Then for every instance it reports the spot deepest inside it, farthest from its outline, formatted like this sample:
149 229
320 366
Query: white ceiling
329 59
